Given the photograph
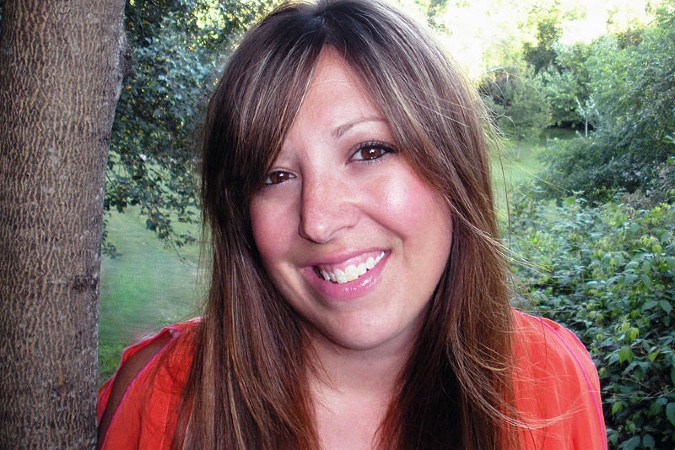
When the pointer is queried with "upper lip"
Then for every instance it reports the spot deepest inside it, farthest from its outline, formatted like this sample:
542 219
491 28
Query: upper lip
342 257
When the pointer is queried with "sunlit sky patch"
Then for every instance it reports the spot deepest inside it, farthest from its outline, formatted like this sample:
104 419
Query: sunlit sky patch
480 34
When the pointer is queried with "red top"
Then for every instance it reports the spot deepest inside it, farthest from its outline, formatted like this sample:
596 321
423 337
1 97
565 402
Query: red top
557 391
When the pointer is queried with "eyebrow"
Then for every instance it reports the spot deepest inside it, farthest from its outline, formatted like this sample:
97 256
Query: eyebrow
339 131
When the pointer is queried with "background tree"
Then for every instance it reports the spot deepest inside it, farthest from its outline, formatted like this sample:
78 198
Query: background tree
433 11
60 74
566 85
178 47
541 54
518 101
632 90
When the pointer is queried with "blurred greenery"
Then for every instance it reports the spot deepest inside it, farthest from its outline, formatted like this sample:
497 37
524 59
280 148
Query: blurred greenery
146 286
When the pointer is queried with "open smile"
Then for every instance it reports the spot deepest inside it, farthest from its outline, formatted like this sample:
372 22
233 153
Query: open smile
350 270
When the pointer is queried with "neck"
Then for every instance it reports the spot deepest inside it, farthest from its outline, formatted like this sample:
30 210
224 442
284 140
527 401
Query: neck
351 391
374 371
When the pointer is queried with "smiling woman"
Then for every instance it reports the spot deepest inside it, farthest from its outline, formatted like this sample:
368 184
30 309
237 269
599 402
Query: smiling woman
349 197
358 297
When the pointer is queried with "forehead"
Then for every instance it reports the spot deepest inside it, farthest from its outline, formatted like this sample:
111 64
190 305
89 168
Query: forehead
331 66
335 106
336 88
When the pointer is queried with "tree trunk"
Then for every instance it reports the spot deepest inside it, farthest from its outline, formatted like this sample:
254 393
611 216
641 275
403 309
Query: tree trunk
60 77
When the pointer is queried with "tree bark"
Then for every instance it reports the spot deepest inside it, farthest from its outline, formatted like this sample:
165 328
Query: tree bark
60 77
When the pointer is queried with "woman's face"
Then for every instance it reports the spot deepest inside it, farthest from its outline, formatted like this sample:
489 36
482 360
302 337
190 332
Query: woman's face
351 236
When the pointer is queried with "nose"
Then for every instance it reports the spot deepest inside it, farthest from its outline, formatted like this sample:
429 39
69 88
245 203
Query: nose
327 208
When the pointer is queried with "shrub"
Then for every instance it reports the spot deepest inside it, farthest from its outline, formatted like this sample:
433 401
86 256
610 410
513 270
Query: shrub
608 274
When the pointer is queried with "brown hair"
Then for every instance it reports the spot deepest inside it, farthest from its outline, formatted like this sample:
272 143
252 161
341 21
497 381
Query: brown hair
248 384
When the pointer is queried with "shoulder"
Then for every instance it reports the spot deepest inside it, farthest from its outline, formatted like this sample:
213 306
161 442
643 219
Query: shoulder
163 361
556 385
544 341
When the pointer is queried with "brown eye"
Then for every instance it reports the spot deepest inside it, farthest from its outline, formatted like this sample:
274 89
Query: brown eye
371 151
278 176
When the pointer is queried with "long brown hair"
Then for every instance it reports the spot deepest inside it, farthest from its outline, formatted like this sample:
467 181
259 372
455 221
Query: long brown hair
248 386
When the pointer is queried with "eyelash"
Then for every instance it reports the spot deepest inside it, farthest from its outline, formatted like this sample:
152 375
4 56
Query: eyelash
370 145
285 175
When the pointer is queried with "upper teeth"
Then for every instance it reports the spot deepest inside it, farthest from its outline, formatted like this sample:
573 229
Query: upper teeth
351 272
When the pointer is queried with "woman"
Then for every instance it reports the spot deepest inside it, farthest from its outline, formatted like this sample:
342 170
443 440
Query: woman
358 297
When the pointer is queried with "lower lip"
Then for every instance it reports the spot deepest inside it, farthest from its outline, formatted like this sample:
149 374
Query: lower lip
350 290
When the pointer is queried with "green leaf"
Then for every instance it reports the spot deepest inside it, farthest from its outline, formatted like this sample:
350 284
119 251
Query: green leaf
632 266
670 413
625 354
632 334
666 306
631 443
648 441
649 305
653 355
646 281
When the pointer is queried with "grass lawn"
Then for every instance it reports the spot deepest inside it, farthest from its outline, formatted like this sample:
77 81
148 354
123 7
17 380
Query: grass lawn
144 288
512 166
516 164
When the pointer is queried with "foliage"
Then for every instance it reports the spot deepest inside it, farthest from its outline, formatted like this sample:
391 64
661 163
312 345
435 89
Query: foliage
542 54
153 133
516 98
632 104
558 66
177 48
566 84
209 24
433 11
608 274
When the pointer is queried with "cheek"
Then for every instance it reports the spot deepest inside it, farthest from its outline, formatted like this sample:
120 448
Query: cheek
414 205
266 231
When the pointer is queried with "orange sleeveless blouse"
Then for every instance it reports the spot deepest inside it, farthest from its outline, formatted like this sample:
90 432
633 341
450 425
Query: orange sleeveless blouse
556 386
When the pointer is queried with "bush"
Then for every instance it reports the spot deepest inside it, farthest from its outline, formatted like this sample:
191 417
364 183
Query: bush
631 102
608 274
